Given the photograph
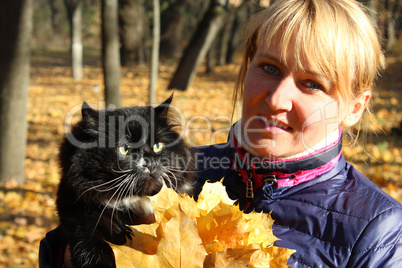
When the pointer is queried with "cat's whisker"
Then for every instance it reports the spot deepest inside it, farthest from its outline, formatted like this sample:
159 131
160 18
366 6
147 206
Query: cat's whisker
120 170
133 185
91 182
173 172
101 185
135 190
179 178
117 184
169 179
127 189
177 170
180 169
122 183
101 214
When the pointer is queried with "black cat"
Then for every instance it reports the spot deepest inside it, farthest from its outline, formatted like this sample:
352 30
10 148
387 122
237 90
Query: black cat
111 161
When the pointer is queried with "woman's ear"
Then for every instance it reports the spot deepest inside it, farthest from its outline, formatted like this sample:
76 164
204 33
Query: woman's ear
357 109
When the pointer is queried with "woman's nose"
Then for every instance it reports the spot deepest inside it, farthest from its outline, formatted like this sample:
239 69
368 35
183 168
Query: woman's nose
281 96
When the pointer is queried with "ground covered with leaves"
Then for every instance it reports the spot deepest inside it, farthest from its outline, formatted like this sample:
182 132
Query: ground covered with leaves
27 211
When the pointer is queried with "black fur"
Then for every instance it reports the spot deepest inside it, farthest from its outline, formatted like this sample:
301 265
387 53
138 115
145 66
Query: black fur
102 189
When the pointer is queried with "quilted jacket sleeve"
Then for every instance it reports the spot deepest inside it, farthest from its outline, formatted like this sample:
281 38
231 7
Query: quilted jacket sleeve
51 250
380 244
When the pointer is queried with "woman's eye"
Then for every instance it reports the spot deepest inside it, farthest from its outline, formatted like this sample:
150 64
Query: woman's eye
158 147
125 149
270 69
313 85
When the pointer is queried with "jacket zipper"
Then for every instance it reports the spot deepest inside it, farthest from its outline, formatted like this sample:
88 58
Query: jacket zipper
249 185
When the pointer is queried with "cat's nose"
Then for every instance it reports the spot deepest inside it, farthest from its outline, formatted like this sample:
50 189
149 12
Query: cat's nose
147 165
151 166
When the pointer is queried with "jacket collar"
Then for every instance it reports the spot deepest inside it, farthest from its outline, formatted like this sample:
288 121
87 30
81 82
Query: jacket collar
282 173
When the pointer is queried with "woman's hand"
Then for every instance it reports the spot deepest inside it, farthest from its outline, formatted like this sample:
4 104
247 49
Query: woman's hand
67 258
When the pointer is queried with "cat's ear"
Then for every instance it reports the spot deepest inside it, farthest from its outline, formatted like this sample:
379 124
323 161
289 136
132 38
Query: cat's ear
163 108
88 112
90 120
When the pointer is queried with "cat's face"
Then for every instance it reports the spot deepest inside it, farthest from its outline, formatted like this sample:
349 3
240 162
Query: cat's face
133 151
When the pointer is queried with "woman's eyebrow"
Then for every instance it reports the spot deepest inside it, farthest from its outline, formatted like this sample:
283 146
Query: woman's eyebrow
317 74
320 76
269 55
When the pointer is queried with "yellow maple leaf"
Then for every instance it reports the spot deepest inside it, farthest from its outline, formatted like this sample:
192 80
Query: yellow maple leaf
232 258
259 229
270 257
211 195
189 207
225 226
209 233
175 247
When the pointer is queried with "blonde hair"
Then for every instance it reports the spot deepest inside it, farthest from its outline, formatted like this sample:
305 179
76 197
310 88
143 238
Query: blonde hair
336 37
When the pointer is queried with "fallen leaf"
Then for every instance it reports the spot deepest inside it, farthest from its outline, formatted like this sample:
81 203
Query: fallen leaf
233 258
225 224
270 257
209 233
259 229
177 247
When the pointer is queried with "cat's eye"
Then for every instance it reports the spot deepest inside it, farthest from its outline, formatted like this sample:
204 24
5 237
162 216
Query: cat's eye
124 150
158 147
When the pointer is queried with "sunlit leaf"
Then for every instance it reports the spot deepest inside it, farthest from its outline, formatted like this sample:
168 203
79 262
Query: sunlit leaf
209 233
175 247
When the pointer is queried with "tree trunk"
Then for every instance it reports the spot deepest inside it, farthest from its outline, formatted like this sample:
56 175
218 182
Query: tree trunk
393 8
55 16
132 29
210 61
225 34
75 19
173 22
199 45
110 52
225 37
155 53
391 35
239 24
372 6
15 36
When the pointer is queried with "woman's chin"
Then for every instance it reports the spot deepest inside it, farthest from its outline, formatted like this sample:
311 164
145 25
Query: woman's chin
273 150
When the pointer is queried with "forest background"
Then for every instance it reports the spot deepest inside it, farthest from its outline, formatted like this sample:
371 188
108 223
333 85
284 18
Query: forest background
198 56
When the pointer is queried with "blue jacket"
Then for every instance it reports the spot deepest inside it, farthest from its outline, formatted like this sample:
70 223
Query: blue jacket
338 219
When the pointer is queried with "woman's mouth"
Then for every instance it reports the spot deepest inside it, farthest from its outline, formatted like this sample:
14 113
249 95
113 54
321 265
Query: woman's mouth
273 125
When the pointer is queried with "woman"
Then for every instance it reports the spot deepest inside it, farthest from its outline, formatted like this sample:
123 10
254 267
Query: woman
308 67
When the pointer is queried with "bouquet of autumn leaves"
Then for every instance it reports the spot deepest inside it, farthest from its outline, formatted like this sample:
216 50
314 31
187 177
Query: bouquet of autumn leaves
211 232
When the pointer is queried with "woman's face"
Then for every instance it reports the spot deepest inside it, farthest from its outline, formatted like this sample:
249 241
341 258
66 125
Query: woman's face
286 110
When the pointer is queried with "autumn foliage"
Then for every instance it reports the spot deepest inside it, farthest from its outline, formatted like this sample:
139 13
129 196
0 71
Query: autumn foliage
209 233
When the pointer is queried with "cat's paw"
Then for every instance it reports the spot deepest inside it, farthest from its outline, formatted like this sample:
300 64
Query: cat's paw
93 254
128 233
140 212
